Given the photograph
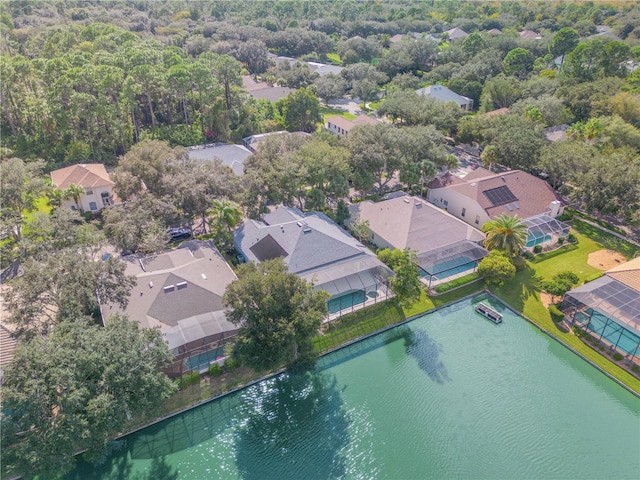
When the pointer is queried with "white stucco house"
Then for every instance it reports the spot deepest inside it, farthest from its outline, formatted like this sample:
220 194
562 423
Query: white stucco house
93 178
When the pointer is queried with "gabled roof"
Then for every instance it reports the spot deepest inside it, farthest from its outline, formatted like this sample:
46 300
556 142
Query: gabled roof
232 156
498 111
179 291
86 175
495 31
323 69
262 90
627 273
347 124
532 195
556 133
440 92
314 247
529 35
406 221
456 33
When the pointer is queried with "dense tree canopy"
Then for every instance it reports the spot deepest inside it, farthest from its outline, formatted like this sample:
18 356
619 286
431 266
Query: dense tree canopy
76 388
277 312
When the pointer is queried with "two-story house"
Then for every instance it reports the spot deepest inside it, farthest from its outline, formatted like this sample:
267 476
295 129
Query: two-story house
93 178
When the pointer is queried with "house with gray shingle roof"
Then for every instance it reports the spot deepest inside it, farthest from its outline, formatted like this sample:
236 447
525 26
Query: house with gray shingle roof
442 93
482 195
446 246
233 156
318 250
180 291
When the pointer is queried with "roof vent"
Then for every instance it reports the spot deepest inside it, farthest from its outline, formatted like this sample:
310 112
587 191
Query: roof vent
306 230
204 277
169 288
473 184
150 284
181 285
299 224
406 200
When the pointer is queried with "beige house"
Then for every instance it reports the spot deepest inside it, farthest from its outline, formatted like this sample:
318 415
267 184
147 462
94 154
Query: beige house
342 126
482 195
446 246
93 177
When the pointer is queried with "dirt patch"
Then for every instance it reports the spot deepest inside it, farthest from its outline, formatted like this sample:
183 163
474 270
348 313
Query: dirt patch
546 299
605 259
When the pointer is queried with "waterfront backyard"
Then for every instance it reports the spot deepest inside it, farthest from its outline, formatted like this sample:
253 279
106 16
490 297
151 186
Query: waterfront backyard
470 399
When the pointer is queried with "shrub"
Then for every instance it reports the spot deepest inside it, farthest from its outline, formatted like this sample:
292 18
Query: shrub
571 238
527 255
556 313
593 277
537 249
231 363
215 370
617 357
560 240
565 216
187 379
635 369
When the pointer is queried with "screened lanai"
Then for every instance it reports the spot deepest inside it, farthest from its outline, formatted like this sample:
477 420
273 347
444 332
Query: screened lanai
610 310
445 263
545 229
352 284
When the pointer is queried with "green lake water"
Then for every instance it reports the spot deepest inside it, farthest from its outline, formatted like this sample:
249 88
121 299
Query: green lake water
448 395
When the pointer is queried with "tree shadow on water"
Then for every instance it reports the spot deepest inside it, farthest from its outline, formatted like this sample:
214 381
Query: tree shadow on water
427 353
294 428
119 467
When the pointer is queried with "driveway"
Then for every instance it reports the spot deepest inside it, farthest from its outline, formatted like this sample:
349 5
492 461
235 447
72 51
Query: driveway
350 105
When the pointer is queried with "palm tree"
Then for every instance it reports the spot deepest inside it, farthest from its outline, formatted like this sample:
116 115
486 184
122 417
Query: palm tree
75 192
506 233
428 171
226 213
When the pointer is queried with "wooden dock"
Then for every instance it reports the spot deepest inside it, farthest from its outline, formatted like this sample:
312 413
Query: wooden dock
488 312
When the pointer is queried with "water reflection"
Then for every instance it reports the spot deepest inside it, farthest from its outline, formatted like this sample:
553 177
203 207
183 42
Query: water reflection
294 426
426 351
120 468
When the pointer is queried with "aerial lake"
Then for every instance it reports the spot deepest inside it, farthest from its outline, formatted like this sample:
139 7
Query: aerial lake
447 395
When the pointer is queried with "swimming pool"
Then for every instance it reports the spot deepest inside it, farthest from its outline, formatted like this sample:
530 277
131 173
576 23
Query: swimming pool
343 302
447 395
449 268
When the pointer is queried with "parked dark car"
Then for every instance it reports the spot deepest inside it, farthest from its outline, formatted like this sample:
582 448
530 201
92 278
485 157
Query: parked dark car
179 233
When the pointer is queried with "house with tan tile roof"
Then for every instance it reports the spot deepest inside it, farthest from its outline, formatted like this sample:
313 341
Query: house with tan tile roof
446 246
95 180
482 195
342 126
529 35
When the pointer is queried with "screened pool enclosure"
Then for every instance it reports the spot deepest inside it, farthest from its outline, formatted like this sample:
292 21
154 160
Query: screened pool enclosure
609 310
445 263
545 229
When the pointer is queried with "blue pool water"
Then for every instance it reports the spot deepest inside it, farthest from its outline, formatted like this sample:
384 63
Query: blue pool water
346 301
537 239
449 268
614 333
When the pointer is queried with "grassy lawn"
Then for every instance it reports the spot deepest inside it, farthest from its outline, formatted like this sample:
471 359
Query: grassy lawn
605 240
334 58
523 293
41 205
327 111
571 257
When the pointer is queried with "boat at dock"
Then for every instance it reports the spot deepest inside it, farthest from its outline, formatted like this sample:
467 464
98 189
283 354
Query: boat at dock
488 312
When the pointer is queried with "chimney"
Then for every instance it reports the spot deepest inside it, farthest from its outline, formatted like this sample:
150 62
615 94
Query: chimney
555 208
